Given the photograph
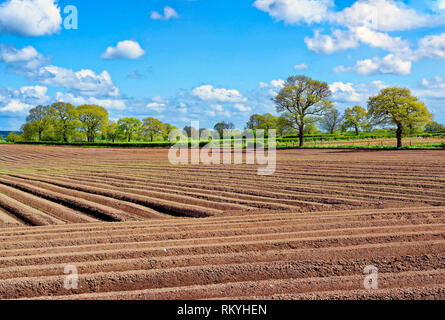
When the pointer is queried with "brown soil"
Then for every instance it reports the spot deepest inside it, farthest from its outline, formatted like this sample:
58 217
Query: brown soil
137 227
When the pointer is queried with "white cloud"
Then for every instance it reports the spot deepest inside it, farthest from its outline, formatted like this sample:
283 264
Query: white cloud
279 83
295 11
22 99
169 13
345 94
242 107
84 82
34 92
209 93
433 88
21 61
391 64
113 104
30 17
348 39
302 66
10 54
384 15
340 40
432 46
16 106
127 49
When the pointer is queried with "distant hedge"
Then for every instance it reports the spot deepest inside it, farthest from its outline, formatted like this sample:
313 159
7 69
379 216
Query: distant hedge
111 145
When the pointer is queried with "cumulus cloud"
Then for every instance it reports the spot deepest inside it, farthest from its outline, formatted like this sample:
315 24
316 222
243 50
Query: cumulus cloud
22 60
157 104
432 46
84 82
295 11
10 54
112 104
16 106
169 13
30 17
390 64
385 15
127 49
348 39
345 94
22 99
209 93
340 40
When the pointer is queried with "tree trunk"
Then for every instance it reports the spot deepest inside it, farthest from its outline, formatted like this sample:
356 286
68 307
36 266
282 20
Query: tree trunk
301 136
399 138
357 132
40 135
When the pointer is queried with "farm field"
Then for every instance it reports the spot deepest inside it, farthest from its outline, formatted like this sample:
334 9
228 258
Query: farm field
387 142
137 227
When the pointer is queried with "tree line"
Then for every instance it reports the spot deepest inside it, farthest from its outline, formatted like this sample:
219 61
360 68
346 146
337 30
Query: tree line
64 122
303 103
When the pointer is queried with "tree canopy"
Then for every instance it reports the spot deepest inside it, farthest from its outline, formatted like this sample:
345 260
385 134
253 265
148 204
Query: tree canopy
397 107
305 99
356 118
129 127
92 119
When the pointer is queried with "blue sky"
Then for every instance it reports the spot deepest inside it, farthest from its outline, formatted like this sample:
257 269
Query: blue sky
214 60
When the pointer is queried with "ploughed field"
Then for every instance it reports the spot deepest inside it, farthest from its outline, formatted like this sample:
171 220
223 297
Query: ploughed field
137 227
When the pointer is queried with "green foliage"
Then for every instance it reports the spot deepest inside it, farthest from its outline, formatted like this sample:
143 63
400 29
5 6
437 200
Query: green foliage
433 127
13 137
112 131
397 107
262 122
39 122
92 120
129 127
305 99
356 118
152 127
331 119
221 126
64 119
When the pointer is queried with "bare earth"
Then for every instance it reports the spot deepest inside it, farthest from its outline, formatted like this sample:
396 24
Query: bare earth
137 227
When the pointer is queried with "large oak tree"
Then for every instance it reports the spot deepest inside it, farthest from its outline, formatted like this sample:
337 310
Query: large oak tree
305 99
397 107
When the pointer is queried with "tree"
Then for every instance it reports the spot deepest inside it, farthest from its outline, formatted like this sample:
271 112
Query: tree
112 131
396 106
434 127
29 131
152 127
305 99
129 127
93 119
190 131
64 117
221 126
331 120
264 122
285 124
356 118
166 131
13 137
39 120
